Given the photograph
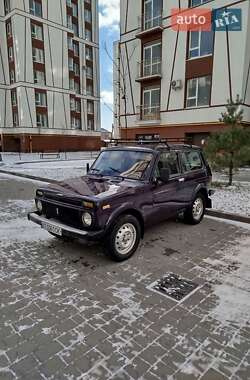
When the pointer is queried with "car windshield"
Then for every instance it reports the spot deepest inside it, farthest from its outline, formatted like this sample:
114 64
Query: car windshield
122 163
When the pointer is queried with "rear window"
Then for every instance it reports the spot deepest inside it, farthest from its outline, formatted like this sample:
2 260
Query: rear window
191 160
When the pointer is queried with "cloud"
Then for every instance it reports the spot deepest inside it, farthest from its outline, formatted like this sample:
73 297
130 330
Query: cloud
107 97
109 13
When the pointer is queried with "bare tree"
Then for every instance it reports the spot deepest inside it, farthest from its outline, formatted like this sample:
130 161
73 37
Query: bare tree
122 70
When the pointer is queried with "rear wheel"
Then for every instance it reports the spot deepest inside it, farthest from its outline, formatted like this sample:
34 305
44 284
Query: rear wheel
195 213
124 238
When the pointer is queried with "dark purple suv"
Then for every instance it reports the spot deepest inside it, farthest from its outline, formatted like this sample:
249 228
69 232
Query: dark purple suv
126 190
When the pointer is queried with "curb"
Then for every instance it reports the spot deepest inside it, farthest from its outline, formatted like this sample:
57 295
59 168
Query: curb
215 213
228 216
40 179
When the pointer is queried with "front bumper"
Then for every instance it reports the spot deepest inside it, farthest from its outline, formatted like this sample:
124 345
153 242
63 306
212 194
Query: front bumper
66 231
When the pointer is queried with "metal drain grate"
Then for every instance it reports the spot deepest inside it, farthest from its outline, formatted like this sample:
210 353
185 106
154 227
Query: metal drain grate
173 286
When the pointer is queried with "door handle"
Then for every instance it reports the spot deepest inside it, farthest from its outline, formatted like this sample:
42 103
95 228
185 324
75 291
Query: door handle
181 179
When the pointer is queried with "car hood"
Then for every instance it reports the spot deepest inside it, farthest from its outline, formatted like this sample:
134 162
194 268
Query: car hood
93 187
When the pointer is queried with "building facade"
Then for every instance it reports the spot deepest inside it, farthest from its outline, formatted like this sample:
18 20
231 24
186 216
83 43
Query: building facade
49 75
172 83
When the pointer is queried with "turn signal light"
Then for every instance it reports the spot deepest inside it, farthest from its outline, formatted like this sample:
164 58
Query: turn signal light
88 204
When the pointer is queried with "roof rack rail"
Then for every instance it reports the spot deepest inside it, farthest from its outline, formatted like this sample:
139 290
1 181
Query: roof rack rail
161 141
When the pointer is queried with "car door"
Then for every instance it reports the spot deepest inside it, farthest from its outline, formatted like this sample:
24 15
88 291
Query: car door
194 172
167 197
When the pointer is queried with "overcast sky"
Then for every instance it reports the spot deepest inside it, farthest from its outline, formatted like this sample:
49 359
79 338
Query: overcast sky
109 32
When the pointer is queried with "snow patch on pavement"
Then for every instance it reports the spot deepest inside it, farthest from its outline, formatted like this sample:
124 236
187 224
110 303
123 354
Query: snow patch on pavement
233 296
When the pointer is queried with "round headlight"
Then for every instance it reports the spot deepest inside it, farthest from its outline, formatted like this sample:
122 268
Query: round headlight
39 206
87 219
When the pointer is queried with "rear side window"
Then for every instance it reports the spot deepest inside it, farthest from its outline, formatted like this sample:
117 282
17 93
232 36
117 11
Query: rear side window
168 160
191 160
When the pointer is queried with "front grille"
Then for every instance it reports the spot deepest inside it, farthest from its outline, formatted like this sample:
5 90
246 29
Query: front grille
66 215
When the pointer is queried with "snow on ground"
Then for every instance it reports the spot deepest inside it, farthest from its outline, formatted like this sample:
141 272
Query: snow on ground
233 199
234 286
57 170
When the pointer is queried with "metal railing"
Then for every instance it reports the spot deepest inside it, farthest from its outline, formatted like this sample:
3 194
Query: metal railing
149 68
149 112
147 22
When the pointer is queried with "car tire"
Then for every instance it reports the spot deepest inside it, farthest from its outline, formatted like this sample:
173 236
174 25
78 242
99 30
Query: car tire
195 213
123 238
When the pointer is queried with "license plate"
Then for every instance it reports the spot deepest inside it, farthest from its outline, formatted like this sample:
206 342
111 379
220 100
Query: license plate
53 229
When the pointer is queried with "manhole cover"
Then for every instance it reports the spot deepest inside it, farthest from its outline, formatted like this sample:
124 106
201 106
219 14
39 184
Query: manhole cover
174 286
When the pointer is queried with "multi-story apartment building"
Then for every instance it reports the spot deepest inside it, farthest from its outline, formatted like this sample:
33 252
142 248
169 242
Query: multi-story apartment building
49 75
172 83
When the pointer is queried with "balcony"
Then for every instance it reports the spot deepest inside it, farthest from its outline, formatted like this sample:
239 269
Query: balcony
149 113
149 70
149 25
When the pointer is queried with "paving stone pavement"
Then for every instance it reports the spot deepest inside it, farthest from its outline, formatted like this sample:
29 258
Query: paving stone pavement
68 312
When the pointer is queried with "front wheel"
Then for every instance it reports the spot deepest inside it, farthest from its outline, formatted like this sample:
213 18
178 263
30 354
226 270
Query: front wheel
195 213
124 238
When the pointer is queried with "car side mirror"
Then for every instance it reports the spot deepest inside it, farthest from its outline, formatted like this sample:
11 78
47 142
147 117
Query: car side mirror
164 175
87 167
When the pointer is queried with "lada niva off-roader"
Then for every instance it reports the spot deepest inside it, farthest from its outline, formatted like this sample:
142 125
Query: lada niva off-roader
127 189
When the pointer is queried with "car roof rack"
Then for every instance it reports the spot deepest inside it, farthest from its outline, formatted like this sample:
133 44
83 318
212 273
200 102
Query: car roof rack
156 143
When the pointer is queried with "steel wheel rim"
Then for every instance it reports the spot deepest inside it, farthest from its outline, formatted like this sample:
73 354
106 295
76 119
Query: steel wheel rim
198 208
125 238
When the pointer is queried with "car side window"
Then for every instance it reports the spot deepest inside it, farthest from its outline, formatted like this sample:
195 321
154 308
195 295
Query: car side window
168 160
191 160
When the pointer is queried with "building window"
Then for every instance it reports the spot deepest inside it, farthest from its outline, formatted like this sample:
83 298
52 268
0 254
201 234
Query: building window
88 34
194 3
89 72
76 69
9 29
37 32
90 107
200 44
36 8
198 92
78 105
72 104
71 84
41 99
151 103
76 49
7 7
13 98
75 28
152 13
75 9
91 125
39 77
71 64
90 89
38 55
88 16
15 119
152 59
70 43
41 120
77 87
12 76
75 123
89 53
69 21
11 54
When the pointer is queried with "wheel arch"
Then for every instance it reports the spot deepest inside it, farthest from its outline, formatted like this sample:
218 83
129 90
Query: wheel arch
129 211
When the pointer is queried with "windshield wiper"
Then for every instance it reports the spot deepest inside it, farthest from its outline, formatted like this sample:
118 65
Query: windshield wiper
115 170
